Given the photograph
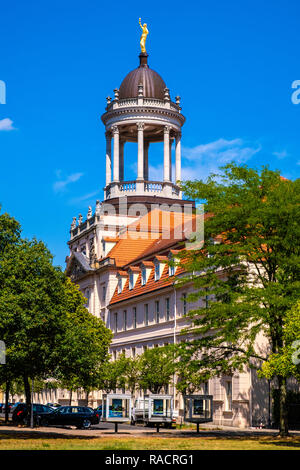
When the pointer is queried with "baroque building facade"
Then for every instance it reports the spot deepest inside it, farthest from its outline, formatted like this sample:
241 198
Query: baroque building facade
119 254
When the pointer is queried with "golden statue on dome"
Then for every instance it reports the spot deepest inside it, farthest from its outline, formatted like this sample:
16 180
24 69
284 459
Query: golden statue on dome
143 36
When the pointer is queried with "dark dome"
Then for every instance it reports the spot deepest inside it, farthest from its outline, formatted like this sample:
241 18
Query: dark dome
154 85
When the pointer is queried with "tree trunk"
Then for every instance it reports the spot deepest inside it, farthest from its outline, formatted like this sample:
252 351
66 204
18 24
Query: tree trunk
283 416
7 386
87 397
70 401
27 390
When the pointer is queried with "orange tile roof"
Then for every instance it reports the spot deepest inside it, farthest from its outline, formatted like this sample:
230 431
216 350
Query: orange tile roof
128 249
151 285
147 263
161 258
134 268
122 273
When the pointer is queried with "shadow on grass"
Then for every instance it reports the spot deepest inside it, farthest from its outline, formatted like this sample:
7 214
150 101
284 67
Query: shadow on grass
282 443
37 434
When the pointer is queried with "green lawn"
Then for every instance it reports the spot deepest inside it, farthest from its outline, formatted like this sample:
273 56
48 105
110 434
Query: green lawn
24 442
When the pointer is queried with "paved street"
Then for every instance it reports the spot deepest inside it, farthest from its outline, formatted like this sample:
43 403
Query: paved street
106 429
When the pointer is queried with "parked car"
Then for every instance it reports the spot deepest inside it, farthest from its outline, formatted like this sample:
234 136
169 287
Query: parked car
2 407
54 406
79 416
99 410
21 414
14 406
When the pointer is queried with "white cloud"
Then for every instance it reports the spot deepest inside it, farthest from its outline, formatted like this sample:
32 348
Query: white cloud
85 197
280 155
198 162
61 185
6 124
207 158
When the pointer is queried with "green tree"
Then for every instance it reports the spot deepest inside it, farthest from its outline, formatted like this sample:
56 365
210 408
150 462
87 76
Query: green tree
286 362
249 267
157 367
46 328
81 349
113 374
9 236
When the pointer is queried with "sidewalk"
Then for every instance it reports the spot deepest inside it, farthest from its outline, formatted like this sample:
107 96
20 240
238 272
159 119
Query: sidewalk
207 431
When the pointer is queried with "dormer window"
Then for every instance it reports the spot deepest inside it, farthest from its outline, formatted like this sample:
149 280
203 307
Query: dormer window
131 280
120 285
157 272
171 270
144 276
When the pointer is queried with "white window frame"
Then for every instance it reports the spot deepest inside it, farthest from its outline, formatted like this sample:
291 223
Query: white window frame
144 276
157 271
131 280
228 396
134 315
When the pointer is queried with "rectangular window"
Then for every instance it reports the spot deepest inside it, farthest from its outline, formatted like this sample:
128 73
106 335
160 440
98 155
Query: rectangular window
116 322
125 319
184 304
157 311
130 280
134 317
119 285
146 315
143 276
228 395
167 309
103 293
133 352
157 272
171 268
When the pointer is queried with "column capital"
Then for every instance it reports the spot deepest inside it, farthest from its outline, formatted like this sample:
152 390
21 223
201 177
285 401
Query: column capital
140 126
115 129
167 129
178 135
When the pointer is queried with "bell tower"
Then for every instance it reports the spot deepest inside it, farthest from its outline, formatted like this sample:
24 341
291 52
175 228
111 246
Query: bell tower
143 112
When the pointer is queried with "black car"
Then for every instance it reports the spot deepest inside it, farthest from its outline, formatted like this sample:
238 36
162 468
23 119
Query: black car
99 410
2 407
21 414
79 416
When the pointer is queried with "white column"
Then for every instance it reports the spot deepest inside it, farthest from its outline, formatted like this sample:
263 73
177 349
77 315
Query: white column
171 142
140 127
166 153
108 158
122 143
146 162
178 158
116 136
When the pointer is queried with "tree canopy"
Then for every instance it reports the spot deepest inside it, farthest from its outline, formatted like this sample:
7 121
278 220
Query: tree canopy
46 328
247 274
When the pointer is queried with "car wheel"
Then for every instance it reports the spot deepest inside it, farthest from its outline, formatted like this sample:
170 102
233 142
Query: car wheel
86 424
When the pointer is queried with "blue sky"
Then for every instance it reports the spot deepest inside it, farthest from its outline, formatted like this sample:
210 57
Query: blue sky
232 63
